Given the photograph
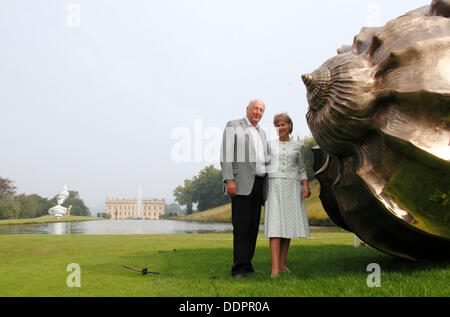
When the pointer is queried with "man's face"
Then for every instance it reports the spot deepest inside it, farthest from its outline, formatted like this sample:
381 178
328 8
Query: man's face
255 111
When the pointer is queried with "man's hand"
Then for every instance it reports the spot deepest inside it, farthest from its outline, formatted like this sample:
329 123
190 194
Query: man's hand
231 188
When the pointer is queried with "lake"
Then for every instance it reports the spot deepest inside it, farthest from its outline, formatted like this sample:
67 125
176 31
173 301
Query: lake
118 227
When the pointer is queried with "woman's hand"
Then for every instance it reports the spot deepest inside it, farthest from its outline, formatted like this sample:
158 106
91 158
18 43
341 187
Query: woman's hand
306 190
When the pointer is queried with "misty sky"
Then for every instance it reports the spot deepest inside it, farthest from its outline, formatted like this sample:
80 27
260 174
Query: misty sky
101 95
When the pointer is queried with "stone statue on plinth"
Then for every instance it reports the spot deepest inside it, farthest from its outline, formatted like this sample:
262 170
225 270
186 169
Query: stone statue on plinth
59 211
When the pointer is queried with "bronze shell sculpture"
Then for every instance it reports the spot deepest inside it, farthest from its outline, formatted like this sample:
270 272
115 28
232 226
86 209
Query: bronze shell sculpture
380 112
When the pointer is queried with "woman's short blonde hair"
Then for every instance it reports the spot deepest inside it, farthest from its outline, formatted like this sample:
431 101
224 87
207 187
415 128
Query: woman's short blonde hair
285 118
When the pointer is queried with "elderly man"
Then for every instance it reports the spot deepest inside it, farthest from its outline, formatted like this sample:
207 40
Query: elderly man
244 153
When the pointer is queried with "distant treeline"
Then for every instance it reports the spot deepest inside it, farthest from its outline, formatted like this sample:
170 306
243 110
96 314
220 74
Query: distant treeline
172 210
206 189
14 206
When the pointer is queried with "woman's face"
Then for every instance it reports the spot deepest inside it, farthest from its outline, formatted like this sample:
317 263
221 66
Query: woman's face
283 129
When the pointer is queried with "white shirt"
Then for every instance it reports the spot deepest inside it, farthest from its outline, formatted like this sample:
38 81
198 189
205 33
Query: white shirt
259 149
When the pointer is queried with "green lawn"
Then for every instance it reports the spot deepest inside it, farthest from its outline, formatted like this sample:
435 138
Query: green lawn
325 265
44 219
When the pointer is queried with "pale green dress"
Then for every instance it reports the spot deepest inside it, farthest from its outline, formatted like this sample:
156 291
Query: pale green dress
285 210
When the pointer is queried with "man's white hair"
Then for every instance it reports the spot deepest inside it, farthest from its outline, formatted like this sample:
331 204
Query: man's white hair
253 101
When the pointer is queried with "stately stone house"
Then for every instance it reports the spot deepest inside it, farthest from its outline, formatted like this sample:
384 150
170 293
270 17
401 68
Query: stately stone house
128 209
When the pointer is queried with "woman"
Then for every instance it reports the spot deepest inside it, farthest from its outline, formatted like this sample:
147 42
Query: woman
285 210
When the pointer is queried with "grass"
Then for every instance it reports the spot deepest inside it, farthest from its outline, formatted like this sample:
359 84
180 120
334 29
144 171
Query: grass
326 264
44 219
316 214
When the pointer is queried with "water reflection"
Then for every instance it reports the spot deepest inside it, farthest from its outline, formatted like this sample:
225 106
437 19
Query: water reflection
118 227
60 228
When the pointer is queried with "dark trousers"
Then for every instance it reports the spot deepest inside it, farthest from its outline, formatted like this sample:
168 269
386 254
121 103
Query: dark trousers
246 214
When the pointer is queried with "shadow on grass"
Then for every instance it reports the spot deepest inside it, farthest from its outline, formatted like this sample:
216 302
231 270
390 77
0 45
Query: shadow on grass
336 260
306 262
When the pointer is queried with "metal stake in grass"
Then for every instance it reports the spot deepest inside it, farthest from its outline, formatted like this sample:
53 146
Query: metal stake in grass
144 271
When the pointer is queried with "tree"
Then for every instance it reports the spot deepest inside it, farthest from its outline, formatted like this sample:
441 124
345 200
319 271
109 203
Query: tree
172 210
29 207
103 215
6 188
32 206
185 195
206 189
9 208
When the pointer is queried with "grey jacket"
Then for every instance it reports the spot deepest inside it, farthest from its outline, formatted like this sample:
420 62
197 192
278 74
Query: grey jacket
238 158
